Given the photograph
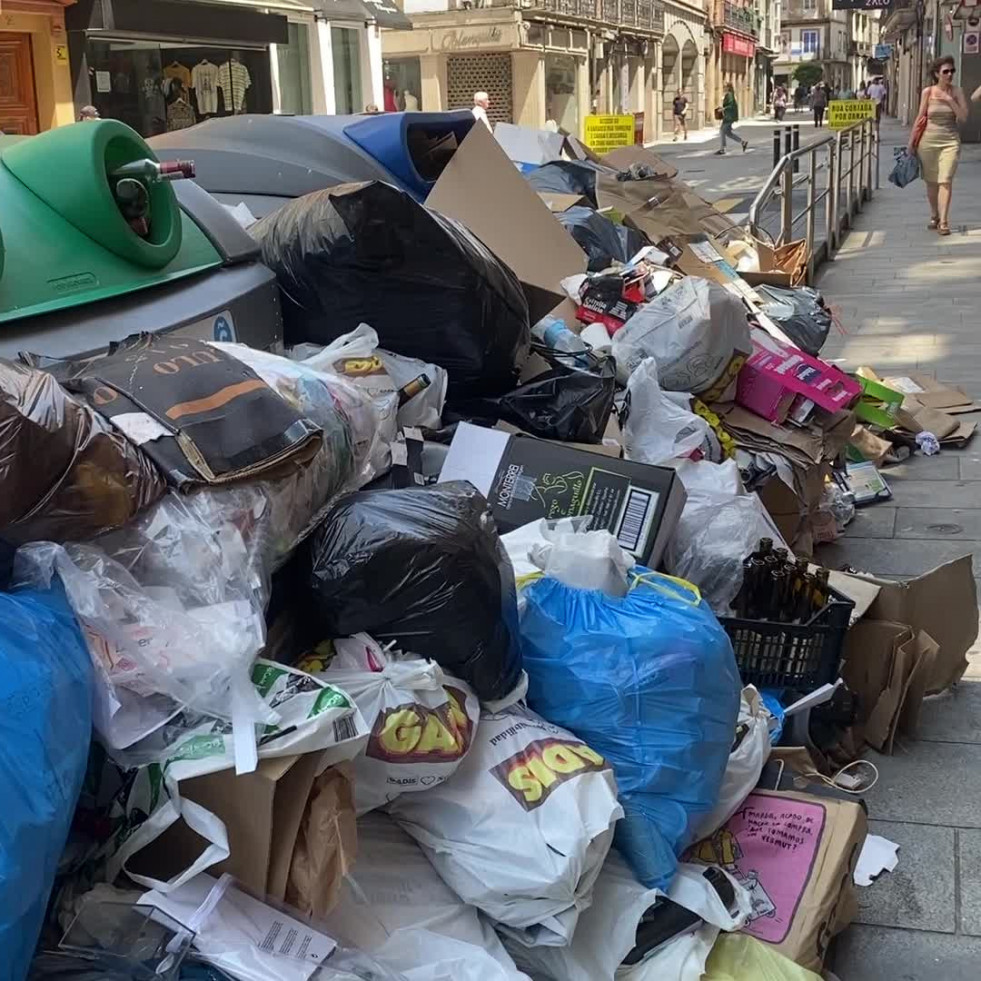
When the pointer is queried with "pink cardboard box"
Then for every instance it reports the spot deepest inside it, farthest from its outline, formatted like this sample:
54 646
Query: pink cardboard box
775 373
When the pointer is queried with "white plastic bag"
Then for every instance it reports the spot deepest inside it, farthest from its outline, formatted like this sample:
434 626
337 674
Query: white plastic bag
607 930
383 373
585 560
421 719
720 526
746 762
395 906
314 716
253 941
522 828
657 428
695 330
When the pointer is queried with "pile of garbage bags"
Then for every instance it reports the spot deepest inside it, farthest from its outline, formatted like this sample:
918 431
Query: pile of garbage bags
285 704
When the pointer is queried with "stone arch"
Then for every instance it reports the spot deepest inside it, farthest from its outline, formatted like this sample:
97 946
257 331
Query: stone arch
681 68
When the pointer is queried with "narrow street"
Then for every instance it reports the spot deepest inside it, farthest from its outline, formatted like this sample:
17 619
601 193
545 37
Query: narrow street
907 300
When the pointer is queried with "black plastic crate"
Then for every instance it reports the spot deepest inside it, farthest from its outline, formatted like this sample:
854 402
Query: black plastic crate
802 656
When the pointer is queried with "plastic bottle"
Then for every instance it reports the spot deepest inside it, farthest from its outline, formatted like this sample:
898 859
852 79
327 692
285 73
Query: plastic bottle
553 332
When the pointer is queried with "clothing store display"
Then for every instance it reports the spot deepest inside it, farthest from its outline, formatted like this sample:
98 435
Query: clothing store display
180 115
176 70
234 81
204 81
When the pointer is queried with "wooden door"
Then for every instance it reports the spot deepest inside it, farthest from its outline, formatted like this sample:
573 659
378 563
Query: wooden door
18 105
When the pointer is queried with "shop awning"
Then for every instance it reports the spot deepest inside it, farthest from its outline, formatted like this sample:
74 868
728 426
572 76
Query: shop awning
387 14
383 12
276 6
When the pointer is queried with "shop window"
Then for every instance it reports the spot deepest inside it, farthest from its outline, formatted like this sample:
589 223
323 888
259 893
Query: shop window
403 84
561 92
345 47
157 87
295 87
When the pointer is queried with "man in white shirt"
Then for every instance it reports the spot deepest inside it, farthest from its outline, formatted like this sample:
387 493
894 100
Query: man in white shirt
481 103
877 92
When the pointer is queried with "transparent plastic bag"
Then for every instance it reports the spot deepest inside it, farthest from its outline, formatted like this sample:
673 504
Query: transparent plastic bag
172 604
720 525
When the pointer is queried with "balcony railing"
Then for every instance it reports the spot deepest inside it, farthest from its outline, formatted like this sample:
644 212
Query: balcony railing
736 18
647 15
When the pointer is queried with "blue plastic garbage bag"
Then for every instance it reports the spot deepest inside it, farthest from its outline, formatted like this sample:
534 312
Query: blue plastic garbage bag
649 681
45 724
906 168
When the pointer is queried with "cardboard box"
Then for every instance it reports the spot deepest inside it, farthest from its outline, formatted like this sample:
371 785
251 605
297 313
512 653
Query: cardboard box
557 203
481 188
525 479
879 403
775 371
796 854
262 812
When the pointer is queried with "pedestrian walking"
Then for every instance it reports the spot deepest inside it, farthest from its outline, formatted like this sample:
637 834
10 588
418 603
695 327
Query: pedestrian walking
680 111
819 102
937 141
779 102
877 93
481 103
730 114
799 97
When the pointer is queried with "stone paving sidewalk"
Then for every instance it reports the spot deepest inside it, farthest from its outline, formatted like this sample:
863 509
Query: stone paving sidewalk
911 300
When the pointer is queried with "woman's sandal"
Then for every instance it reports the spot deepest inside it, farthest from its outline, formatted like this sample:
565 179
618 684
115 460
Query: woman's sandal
943 229
934 224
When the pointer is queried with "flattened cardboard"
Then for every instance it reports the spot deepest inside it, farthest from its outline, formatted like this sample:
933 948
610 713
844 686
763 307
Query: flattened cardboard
481 188
943 603
935 395
523 144
887 665
961 436
557 203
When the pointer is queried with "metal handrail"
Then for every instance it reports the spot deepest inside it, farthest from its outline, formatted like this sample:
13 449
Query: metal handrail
857 181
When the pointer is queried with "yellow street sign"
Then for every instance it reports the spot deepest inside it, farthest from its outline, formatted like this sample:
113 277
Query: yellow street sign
847 112
604 133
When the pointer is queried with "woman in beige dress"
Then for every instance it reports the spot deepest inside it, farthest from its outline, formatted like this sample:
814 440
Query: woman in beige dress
944 107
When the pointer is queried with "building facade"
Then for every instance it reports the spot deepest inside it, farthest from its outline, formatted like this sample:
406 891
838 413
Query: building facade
735 35
35 77
540 61
160 65
812 31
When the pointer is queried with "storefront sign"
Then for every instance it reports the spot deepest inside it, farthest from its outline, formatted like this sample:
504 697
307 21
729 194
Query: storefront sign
741 46
860 4
468 38
605 133
847 112
61 54
883 52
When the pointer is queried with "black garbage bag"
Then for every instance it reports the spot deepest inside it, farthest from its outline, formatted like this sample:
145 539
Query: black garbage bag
568 177
801 313
572 401
368 253
423 567
602 240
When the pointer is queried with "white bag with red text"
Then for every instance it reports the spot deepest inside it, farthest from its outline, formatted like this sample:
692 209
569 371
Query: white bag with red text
523 827
422 720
